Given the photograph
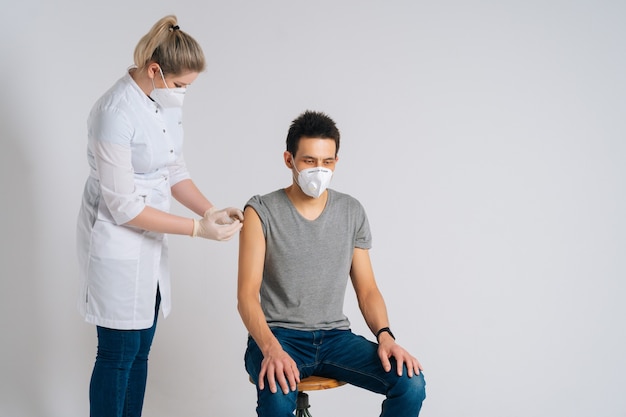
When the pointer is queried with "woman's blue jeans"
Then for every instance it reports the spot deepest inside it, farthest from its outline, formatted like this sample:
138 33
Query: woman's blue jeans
118 381
342 355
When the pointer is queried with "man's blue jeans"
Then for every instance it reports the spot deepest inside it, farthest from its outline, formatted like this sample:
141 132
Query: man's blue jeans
118 381
342 355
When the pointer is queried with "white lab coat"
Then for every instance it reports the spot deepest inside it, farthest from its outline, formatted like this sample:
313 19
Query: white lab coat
135 157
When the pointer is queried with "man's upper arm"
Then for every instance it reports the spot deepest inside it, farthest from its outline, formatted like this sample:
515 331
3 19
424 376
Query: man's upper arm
251 254
361 272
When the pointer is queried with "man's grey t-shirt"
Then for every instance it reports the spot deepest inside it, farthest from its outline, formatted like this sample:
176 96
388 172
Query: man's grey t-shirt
307 262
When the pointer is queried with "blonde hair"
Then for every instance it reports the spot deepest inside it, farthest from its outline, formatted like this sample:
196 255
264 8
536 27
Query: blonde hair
174 50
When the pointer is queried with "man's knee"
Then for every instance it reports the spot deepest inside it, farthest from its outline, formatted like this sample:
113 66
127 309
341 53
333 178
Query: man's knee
418 387
412 390
277 404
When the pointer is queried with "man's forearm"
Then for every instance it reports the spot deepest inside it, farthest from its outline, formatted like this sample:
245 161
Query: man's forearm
374 311
253 318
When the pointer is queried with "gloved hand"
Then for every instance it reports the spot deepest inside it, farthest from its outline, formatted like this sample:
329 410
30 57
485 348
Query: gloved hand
227 215
218 224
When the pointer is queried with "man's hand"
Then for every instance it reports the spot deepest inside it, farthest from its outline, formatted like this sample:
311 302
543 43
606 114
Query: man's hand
388 348
279 368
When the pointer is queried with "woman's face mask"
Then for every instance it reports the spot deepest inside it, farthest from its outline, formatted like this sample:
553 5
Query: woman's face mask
168 97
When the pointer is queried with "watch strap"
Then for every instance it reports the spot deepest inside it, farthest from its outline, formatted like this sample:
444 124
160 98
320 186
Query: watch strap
383 330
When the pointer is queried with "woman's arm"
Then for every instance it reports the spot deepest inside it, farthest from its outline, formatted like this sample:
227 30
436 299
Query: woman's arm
159 221
156 220
186 193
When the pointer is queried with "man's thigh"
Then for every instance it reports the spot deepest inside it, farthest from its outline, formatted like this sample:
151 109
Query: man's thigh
354 359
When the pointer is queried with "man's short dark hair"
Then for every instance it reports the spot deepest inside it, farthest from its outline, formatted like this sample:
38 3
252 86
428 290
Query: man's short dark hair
312 124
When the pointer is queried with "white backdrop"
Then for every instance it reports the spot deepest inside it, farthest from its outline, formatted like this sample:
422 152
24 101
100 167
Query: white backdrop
486 139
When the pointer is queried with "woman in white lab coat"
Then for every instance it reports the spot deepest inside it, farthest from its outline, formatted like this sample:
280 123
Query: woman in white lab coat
134 151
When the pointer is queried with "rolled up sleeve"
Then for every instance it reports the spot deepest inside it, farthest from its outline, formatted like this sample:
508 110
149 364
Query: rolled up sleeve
178 171
110 145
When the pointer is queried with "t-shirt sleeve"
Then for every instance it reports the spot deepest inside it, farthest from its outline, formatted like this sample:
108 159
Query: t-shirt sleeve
363 237
256 203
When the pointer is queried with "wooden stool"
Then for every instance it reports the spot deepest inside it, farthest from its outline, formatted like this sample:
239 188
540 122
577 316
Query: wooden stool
311 383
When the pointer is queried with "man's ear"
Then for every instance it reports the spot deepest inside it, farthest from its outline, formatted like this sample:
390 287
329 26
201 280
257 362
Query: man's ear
288 159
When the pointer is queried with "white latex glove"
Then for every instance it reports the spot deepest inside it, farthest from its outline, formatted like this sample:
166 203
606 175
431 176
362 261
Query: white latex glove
227 215
218 224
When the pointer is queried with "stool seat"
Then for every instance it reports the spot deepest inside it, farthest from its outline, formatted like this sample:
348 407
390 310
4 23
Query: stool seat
314 383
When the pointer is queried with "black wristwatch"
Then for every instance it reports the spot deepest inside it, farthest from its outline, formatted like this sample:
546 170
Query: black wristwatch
385 329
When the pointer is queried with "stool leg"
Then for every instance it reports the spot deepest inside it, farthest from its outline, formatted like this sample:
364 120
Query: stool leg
302 405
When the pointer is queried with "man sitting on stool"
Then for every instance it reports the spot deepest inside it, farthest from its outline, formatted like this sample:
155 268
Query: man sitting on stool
298 247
